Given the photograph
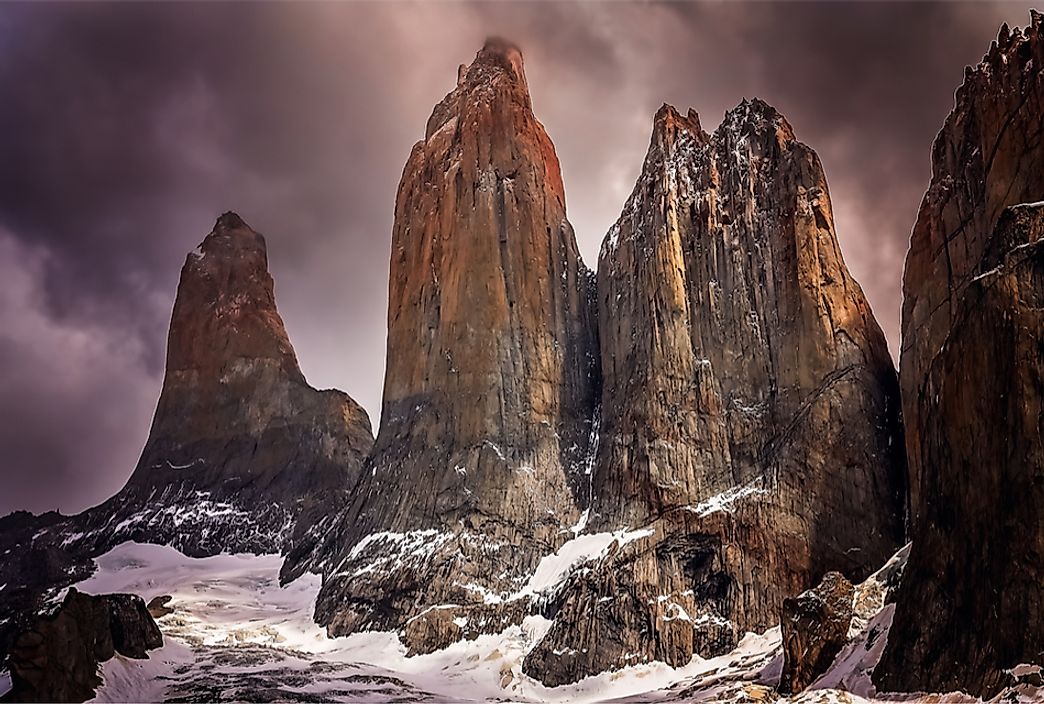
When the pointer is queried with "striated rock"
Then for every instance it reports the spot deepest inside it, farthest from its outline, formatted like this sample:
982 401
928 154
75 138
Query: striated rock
815 628
243 455
971 603
56 659
750 411
479 468
736 348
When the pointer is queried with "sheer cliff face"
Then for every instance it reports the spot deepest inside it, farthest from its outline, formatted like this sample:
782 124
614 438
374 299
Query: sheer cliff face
243 455
736 348
491 373
750 410
972 376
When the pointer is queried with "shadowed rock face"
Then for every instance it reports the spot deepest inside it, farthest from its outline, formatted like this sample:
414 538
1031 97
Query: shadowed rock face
750 410
814 628
56 658
971 603
243 455
479 466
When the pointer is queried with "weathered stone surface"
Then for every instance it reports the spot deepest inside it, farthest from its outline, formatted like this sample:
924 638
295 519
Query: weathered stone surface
815 628
243 455
971 603
158 606
736 347
56 659
479 466
750 411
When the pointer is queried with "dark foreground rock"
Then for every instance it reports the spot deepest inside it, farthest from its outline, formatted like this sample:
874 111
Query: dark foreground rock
971 604
56 658
815 628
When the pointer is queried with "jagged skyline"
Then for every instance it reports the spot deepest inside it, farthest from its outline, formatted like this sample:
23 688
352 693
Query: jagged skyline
129 129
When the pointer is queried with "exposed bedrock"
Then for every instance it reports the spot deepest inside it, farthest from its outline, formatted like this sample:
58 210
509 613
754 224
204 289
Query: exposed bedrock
972 371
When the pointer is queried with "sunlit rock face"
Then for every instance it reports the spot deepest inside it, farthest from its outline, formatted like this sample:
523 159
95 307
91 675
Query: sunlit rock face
243 455
479 467
971 603
750 411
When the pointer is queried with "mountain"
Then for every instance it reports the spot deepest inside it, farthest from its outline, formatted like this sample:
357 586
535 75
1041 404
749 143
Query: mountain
972 375
750 410
478 470
243 455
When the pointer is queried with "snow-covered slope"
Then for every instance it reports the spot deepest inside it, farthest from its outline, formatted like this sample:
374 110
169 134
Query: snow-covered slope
236 634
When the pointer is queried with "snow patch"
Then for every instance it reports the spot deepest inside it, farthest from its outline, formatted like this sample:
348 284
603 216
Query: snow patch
725 500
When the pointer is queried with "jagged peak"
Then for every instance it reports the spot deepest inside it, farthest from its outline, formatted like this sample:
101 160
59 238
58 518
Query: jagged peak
671 128
668 117
499 61
754 115
230 233
496 53
230 220
1008 50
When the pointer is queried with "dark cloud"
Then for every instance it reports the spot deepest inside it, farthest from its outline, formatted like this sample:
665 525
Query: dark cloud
126 128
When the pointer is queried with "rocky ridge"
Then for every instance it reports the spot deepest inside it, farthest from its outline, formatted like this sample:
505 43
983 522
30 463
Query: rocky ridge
971 607
56 658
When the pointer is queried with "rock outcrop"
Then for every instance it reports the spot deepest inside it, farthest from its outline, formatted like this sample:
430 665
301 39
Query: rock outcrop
972 375
479 467
815 628
243 455
750 411
56 659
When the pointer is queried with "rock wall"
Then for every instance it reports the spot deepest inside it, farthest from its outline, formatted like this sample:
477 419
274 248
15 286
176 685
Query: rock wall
971 605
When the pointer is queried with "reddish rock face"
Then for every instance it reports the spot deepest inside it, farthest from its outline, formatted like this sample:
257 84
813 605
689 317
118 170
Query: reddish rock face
750 411
243 455
971 603
491 374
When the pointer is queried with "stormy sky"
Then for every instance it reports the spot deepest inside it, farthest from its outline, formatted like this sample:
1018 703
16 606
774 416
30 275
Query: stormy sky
126 129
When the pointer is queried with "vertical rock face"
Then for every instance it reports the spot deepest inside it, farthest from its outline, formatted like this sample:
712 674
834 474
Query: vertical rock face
736 347
750 410
243 454
479 466
972 376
